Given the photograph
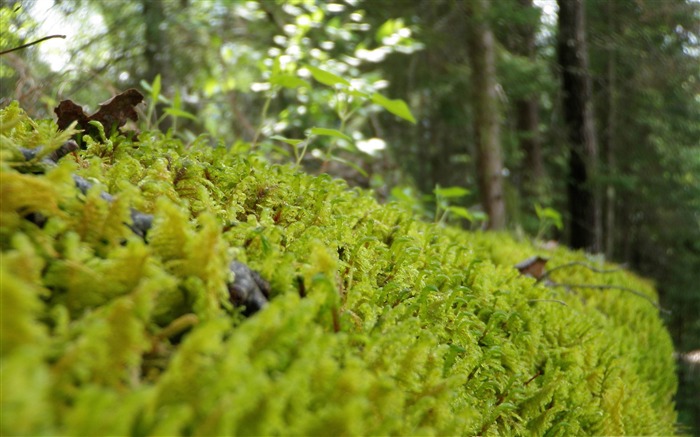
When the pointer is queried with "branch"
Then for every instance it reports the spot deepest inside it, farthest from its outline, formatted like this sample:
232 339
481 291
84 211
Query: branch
561 302
612 287
546 274
29 44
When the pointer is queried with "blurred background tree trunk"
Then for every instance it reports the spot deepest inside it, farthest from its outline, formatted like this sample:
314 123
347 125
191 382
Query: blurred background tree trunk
572 53
487 114
610 134
527 117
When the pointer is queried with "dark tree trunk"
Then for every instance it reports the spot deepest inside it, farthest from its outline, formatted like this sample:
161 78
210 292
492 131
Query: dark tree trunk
610 137
527 114
486 113
578 116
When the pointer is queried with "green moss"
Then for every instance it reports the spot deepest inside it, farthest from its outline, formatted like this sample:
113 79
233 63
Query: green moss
377 324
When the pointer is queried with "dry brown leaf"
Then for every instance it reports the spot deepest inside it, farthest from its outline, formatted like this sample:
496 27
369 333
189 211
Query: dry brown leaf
113 114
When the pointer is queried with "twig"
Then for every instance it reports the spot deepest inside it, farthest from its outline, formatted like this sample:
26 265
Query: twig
549 300
539 372
24 46
612 287
546 274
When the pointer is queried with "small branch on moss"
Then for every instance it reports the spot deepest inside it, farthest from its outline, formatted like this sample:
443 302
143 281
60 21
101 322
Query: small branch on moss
549 300
539 372
549 272
612 287
29 44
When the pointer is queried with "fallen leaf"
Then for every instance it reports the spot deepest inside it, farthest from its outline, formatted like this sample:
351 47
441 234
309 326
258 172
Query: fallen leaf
533 266
113 114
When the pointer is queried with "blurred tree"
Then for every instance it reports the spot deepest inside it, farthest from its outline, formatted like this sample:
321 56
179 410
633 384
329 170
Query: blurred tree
578 117
520 40
487 120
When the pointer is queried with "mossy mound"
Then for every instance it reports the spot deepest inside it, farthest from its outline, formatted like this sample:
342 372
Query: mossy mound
377 323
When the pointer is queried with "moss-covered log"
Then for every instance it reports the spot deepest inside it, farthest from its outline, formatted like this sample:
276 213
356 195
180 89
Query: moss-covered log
377 323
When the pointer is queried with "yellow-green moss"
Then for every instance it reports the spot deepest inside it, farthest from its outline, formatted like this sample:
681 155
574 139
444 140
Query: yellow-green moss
377 324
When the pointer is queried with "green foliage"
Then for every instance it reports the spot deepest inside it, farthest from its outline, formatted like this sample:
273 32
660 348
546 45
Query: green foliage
378 323
9 31
548 217
443 208
346 102
174 110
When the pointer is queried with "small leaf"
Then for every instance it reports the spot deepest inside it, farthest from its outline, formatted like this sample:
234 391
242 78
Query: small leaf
177 100
289 81
155 90
397 107
461 212
404 194
549 214
286 140
329 133
326 77
451 192
179 113
359 94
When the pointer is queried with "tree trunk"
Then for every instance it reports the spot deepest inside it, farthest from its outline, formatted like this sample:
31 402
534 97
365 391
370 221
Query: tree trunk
578 116
527 114
486 113
610 135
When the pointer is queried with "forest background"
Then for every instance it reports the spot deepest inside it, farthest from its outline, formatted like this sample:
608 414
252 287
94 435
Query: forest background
574 121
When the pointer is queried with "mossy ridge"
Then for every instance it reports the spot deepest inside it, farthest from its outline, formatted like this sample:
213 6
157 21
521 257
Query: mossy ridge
405 327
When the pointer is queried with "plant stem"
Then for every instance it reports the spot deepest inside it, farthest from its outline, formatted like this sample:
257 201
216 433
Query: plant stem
263 116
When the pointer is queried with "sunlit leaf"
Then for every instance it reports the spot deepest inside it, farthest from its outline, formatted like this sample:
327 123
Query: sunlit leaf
179 113
326 77
177 100
461 212
402 194
359 94
155 89
451 192
329 133
396 106
286 140
550 215
289 81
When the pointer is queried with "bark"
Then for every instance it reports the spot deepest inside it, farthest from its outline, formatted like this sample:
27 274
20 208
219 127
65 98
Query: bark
584 206
487 121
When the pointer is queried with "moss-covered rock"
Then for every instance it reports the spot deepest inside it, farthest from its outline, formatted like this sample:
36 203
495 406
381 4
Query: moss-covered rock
377 323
